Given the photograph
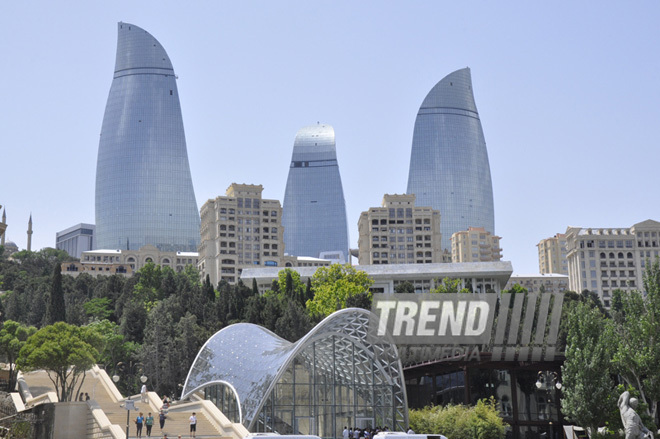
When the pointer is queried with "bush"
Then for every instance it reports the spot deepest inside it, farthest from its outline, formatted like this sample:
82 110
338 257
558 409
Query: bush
459 421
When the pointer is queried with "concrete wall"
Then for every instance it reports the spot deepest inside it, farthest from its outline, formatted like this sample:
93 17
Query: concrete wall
70 420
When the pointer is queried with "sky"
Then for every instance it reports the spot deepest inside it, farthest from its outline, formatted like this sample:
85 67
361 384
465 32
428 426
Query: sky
567 92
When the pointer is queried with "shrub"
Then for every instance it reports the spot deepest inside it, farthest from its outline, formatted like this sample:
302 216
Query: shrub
458 421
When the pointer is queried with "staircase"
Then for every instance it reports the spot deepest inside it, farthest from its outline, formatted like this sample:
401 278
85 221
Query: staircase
105 398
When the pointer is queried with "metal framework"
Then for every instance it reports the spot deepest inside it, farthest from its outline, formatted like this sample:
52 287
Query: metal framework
339 369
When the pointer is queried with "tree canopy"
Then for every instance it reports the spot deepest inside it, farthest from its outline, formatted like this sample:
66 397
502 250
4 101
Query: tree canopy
156 306
334 285
587 390
13 336
64 351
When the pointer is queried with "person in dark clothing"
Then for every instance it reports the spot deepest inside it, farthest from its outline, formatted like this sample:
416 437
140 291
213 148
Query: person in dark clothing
161 419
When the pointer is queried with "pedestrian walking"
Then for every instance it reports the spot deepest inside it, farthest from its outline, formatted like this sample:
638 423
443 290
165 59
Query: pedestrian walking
193 424
149 422
138 424
161 419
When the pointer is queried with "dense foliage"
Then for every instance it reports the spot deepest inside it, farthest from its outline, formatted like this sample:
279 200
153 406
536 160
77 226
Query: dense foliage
601 346
65 351
458 421
156 321
588 388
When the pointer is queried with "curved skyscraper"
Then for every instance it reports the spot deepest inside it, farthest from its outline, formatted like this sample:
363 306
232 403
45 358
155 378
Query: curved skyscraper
144 192
449 168
314 211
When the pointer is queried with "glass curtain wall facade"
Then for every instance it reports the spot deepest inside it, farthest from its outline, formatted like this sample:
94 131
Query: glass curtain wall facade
449 169
335 376
144 191
314 210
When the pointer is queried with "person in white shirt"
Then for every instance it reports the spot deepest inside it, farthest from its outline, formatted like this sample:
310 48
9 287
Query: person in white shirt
193 424
345 432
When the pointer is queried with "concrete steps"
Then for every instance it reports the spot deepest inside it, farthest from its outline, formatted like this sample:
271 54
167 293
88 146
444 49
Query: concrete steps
177 422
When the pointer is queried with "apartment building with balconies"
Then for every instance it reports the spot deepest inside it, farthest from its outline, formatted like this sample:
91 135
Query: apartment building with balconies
475 244
238 230
399 232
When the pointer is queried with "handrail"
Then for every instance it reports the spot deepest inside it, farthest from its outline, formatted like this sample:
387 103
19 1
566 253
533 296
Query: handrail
217 419
103 423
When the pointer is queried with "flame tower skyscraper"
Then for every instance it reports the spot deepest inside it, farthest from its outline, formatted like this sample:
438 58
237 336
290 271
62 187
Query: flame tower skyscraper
144 190
449 169
314 210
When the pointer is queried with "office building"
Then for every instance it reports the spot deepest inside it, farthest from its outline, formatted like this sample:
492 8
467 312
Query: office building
552 255
449 169
605 259
539 283
144 191
399 232
240 230
475 245
314 215
76 239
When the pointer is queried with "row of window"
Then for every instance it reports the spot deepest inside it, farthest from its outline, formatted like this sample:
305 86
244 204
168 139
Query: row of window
375 222
401 247
607 244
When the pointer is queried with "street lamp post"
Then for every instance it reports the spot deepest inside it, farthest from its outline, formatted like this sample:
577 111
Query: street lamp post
129 404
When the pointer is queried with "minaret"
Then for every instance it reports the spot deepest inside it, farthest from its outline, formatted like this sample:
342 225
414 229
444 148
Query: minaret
29 233
3 226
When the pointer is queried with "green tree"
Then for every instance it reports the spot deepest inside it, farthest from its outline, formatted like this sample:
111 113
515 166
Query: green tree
112 346
56 311
150 278
188 340
13 336
516 289
294 322
405 288
208 289
133 321
309 292
289 282
156 352
98 308
637 326
449 286
360 300
333 285
255 288
587 386
64 351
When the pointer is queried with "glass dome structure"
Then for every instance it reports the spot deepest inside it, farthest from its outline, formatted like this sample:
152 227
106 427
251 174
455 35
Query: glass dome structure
339 374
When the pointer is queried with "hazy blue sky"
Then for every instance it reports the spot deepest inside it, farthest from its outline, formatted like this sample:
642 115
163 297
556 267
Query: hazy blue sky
568 95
